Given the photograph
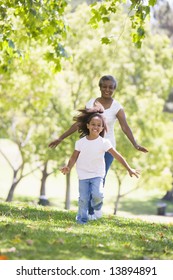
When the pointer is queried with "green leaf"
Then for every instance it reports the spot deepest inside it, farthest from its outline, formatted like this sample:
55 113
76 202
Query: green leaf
105 40
141 31
103 10
152 2
138 44
93 22
93 4
105 19
112 9
96 14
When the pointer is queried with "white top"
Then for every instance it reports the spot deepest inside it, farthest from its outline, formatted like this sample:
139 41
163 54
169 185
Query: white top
110 117
90 162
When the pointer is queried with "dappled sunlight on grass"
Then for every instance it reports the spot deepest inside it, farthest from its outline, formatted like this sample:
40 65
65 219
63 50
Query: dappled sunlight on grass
28 232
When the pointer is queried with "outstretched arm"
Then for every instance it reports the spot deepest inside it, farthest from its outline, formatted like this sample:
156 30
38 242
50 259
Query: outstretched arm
126 129
67 133
122 160
66 169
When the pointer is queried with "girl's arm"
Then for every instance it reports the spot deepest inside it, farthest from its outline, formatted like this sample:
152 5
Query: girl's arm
67 133
126 129
66 169
120 158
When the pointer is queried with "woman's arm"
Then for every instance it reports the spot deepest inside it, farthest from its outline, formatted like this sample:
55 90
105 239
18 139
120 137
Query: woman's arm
67 133
122 160
66 169
126 129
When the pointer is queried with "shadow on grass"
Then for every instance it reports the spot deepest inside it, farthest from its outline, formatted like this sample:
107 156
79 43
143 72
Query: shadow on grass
39 213
56 236
148 207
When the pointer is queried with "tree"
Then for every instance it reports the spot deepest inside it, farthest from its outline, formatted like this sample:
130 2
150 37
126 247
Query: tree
40 21
51 160
155 167
18 169
43 21
24 106
138 12
163 23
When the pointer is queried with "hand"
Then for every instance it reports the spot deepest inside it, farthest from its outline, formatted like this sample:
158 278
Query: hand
141 149
134 172
54 143
65 170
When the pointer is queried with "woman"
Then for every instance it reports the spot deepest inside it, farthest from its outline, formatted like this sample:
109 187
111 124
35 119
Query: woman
112 111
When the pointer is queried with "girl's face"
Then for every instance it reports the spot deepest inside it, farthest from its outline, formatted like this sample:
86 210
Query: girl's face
107 88
95 126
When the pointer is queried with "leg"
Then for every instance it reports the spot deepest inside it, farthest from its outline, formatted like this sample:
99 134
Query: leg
84 193
97 192
108 161
90 208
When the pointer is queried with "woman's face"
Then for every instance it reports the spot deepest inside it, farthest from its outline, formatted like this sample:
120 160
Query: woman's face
107 88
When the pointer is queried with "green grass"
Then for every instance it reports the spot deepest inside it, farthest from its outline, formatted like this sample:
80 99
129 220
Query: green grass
29 232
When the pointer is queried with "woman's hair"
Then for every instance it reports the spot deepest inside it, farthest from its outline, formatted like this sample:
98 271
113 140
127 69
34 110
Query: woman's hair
86 116
107 78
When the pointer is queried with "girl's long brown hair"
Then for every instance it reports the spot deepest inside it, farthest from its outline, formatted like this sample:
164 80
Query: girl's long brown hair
85 117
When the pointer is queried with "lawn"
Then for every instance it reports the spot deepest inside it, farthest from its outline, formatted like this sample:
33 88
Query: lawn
29 231
32 232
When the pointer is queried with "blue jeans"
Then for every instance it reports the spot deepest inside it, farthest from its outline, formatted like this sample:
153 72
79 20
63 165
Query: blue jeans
108 161
87 187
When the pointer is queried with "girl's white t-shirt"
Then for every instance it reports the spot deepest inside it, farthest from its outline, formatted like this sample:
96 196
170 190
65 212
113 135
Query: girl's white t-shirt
90 162
110 117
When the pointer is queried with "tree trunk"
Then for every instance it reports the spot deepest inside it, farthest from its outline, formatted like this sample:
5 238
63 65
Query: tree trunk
11 192
67 198
118 193
13 186
118 197
169 194
43 200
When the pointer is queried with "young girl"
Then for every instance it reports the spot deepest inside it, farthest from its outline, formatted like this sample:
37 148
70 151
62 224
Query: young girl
90 164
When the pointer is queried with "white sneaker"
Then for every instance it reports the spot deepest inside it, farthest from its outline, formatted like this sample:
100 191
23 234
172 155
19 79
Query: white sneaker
91 217
97 214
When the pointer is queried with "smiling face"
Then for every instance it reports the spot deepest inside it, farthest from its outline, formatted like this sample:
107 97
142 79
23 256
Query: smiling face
107 88
95 126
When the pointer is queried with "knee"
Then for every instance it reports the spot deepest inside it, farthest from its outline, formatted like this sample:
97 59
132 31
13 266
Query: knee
97 200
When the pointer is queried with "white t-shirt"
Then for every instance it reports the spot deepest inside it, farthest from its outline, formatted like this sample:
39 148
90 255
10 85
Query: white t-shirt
110 117
90 163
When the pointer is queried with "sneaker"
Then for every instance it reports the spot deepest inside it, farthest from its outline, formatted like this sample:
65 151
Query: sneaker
98 214
91 217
